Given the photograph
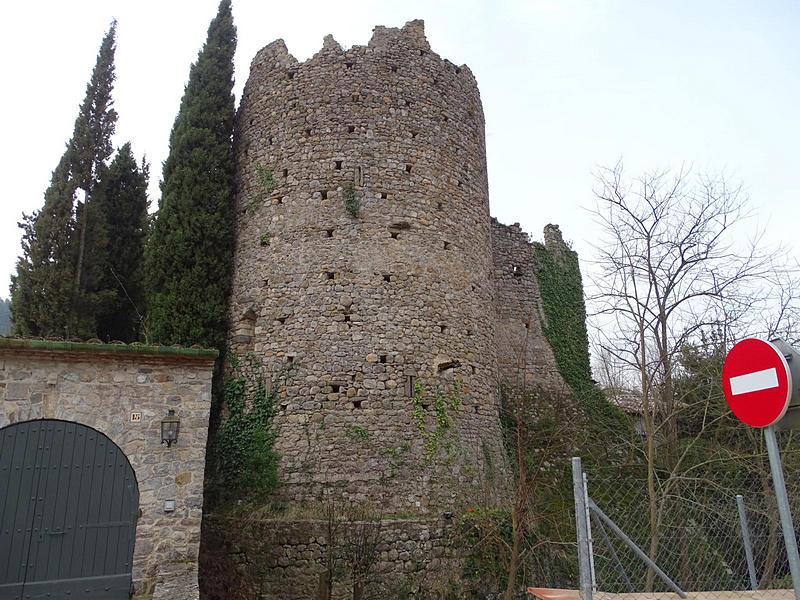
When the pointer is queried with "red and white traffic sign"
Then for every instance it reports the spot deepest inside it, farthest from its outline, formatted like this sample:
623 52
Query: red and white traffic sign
757 382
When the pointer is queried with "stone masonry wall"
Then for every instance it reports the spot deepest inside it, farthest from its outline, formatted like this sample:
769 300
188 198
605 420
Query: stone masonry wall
99 386
289 560
364 306
524 356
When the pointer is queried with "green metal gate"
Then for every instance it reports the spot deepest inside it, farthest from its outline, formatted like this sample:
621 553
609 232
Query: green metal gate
68 508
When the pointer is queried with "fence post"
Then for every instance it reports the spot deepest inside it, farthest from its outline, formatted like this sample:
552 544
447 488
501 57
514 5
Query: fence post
748 546
582 531
589 532
783 507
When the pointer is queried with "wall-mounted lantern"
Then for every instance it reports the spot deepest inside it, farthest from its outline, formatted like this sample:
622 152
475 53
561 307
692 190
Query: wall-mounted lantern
170 425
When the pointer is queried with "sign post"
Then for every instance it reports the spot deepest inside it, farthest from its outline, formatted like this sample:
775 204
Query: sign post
783 507
757 383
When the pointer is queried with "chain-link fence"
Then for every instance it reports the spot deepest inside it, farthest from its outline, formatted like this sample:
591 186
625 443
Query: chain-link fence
693 528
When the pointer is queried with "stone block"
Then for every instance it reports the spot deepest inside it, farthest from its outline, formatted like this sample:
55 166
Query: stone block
17 390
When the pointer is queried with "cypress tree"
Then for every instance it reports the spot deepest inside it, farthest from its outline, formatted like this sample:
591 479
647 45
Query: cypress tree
42 288
89 297
50 295
90 149
5 316
189 254
122 192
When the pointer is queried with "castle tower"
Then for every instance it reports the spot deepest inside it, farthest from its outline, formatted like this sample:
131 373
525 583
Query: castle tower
363 257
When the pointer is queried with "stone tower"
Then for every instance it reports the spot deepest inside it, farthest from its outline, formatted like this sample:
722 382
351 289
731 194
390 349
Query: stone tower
364 257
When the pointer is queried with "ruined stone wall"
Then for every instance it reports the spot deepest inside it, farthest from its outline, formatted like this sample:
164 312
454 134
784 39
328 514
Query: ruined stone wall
365 305
100 386
524 356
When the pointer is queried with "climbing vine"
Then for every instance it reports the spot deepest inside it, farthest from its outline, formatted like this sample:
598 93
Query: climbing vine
442 407
356 432
245 459
265 179
351 202
564 326
266 183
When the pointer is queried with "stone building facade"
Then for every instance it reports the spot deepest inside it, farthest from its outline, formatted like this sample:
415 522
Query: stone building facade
367 260
124 392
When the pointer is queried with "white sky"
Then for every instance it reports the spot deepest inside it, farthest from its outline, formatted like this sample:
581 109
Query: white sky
567 85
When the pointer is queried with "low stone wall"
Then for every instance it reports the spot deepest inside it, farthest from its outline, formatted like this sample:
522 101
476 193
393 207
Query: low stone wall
291 559
101 385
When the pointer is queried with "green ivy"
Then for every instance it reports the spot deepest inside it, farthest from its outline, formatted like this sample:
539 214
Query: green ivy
564 326
441 407
266 179
358 433
485 533
396 458
266 182
244 451
351 203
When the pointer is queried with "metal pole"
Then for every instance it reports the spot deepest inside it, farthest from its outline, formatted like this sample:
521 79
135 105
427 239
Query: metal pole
636 550
748 546
783 507
589 532
581 529
613 553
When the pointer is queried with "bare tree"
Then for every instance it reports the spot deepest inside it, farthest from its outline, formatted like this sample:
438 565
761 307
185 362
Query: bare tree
361 541
540 430
670 266
332 556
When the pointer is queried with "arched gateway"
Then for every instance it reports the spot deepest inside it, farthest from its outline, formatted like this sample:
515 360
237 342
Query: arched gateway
69 502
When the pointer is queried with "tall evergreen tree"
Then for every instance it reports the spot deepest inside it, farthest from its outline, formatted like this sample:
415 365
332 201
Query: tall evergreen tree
5 316
49 293
189 254
123 194
42 288
91 148
89 297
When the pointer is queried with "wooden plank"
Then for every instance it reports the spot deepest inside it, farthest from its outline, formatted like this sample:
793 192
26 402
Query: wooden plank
559 594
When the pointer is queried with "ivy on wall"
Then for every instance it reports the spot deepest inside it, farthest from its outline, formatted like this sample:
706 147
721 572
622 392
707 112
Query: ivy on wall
443 407
352 205
564 326
243 453
266 184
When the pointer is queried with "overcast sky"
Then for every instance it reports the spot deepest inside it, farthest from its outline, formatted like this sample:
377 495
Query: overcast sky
567 86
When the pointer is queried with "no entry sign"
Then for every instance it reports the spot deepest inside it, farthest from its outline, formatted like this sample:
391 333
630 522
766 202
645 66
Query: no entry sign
757 382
